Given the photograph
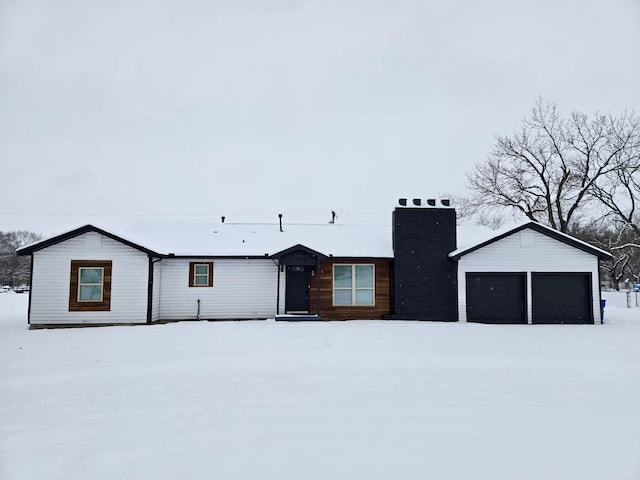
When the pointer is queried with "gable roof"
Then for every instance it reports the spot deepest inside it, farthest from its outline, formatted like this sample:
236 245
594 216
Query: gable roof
193 239
538 227
265 239
34 247
299 248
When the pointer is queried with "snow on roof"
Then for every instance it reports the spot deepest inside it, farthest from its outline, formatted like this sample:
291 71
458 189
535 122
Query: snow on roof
493 235
472 234
258 239
189 238
61 237
481 236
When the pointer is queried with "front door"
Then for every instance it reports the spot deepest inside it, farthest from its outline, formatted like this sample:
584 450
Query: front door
297 289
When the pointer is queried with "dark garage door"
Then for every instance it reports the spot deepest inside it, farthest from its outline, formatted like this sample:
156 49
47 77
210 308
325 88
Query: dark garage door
561 297
496 298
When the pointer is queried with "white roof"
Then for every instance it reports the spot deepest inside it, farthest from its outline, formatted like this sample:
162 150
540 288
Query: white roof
194 239
258 239
506 231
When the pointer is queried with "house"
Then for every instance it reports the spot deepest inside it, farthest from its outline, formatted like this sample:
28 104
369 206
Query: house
411 270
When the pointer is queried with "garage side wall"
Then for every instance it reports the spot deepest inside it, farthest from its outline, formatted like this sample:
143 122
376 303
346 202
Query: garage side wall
242 289
51 282
528 251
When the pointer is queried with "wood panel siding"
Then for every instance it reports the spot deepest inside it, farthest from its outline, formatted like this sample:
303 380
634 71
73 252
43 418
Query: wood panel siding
103 305
382 303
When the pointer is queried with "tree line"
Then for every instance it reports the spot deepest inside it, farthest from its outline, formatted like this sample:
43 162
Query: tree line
578 174
15 270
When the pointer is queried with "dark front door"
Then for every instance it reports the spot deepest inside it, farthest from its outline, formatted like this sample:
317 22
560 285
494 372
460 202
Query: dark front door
561 298
496 298
297 289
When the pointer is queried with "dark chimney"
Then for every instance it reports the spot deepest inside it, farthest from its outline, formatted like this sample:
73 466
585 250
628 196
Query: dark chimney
425 278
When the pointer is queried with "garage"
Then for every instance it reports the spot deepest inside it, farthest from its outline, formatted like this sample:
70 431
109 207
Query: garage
496 297
529 274
559 298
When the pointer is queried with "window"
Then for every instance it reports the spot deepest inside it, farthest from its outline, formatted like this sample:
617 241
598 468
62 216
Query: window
353 285
201 274
90 286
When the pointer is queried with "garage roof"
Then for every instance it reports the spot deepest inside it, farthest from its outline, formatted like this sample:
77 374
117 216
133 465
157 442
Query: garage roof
548 231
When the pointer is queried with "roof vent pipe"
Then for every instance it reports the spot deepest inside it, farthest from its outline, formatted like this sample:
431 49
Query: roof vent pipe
280 219
222 218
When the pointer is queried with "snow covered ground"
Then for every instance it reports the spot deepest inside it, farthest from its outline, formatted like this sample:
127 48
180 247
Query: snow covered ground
350 400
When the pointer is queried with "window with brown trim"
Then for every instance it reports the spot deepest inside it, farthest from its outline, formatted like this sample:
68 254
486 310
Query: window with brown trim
90 286
201 274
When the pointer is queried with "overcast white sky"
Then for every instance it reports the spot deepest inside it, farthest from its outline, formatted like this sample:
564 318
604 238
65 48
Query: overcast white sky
114 110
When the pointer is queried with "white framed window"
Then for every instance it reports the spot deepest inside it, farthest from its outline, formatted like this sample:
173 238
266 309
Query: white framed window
353 285
201 274
90 284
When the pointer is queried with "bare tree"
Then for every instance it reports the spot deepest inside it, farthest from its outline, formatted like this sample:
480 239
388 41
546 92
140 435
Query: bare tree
547 171
619 192
610 235
15 270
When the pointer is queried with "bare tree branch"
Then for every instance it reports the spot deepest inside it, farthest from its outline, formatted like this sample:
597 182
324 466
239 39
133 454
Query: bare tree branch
554 169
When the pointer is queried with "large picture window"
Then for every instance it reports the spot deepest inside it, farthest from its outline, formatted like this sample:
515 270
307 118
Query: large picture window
90 285
201 274
353 285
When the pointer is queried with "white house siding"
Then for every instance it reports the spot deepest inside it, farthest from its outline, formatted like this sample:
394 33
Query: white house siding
51 281
157 281
242 289
527 251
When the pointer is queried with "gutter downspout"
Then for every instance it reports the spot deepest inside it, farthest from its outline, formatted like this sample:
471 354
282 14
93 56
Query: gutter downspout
30 290
278 288
150 288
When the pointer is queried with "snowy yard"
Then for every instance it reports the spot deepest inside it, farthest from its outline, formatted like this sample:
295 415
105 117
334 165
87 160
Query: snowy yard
350 400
